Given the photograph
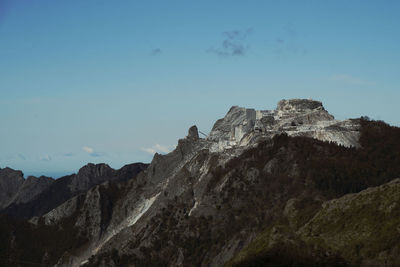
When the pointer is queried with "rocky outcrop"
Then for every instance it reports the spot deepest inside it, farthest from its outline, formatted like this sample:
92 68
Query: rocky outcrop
298 105
295 117
31 187
90 175
14 189
10 183
193 133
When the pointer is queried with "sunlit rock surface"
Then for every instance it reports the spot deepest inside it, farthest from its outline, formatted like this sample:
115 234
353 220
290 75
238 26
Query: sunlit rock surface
295 117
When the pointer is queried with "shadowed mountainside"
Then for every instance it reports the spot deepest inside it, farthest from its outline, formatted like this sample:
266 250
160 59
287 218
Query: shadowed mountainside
66 187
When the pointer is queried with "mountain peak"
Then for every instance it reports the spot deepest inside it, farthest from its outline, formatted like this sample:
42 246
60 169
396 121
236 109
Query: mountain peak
299 105
193 133
10 182
295 117
94 169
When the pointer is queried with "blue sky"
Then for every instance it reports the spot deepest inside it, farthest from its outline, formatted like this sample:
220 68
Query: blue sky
115 81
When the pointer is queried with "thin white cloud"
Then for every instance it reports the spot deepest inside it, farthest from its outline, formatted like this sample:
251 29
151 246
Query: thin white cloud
350 79
157 148
88 149
161 148
149 150
92 152
45 158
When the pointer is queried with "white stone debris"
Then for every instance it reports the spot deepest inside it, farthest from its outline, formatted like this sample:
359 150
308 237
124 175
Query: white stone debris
193 208
137 213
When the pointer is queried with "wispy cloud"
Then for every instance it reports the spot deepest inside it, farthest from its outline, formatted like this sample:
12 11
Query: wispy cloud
157 148
349 79
233 44
87 149
92 152
156 51
287 41
45 158
68 154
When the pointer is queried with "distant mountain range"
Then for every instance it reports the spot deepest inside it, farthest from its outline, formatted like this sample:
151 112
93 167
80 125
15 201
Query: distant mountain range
284 187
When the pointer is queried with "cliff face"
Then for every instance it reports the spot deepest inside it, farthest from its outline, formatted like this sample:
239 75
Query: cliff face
30 188
252 190
296 117
10 182
14 189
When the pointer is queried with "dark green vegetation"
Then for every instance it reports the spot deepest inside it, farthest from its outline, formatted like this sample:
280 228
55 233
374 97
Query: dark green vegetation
25 244
342 171
357 230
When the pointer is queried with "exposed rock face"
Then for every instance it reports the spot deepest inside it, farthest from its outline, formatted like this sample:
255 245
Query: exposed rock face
296 117
10 182
90 175
55 193
14 189
32 187
299 105
230 130
193 133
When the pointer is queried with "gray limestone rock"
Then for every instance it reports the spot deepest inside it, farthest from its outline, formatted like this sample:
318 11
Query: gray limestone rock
32 187
90 175
193 133
10 183
295 117
14 189
299 105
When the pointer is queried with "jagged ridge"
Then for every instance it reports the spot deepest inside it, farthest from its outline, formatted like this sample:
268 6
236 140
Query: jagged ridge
28 202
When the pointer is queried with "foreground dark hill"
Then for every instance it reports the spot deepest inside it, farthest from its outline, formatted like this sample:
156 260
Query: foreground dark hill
288 187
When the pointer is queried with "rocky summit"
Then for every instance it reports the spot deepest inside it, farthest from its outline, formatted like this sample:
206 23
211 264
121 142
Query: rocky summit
290 186
295 117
